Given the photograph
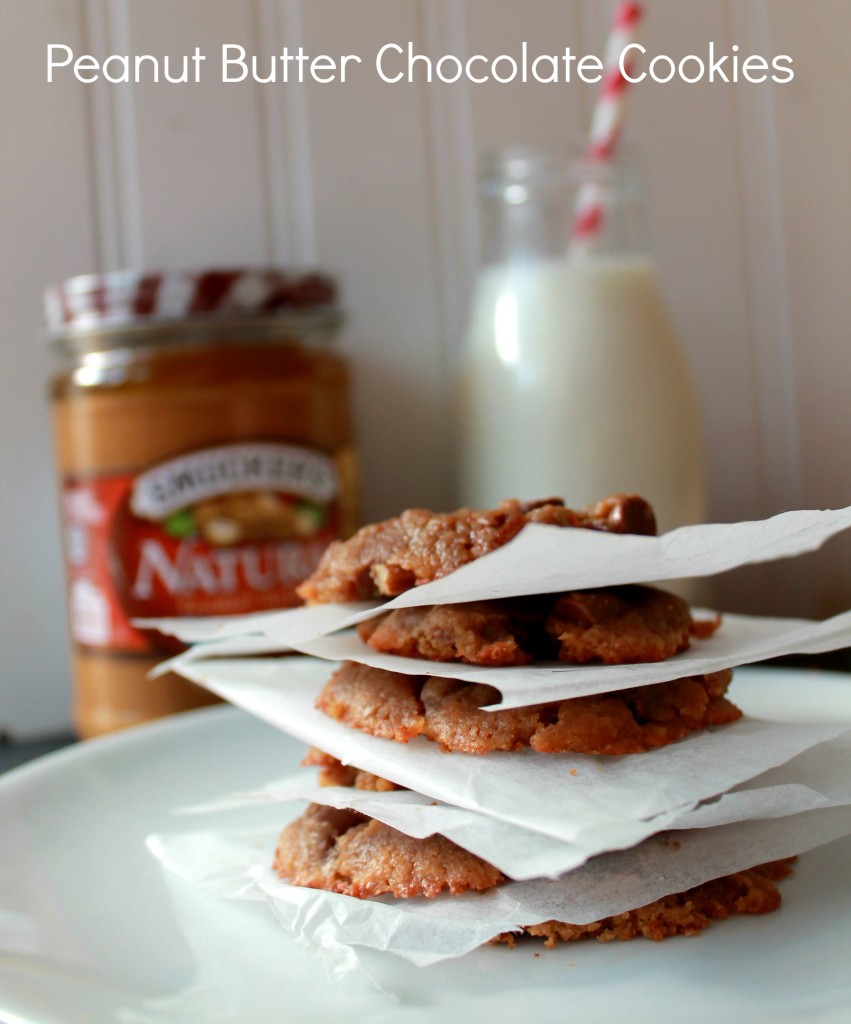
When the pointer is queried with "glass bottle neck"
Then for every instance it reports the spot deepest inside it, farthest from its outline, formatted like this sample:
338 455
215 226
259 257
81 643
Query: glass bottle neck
538 205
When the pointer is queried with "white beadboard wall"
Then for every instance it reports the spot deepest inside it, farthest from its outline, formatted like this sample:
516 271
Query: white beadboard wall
750 217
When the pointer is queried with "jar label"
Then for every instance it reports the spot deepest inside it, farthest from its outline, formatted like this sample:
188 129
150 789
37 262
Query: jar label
222 531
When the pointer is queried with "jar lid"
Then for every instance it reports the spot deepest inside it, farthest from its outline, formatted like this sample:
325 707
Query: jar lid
95 302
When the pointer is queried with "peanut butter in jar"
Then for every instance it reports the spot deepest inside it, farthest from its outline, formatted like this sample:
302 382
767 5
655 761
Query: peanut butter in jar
205 454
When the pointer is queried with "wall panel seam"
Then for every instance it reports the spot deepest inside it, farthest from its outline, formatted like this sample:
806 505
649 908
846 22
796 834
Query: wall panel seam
101 144
126 143
451 172
295 142
771 337
765 245
271 115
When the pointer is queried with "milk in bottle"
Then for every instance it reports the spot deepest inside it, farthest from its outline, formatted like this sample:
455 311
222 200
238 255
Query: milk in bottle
572 379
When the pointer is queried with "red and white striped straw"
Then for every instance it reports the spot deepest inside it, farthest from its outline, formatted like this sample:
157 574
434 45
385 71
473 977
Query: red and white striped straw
606 122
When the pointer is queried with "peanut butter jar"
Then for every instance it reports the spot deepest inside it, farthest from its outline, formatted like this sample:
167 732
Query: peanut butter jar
205 454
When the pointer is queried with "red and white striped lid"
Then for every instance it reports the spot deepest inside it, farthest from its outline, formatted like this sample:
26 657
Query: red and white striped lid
122 297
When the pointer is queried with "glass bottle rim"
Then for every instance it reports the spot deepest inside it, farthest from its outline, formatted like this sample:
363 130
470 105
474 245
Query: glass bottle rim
538 168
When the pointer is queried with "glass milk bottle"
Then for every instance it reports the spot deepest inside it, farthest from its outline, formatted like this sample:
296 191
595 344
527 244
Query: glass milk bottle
572 382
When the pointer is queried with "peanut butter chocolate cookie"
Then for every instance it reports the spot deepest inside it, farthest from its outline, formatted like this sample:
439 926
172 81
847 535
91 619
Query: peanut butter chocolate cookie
400 707
616 626
349 853
418 546
334 773
685 913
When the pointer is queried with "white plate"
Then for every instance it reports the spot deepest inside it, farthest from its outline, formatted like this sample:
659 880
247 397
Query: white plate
91 929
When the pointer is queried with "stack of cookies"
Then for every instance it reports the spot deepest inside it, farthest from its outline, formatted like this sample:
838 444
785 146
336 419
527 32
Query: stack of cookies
345 851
